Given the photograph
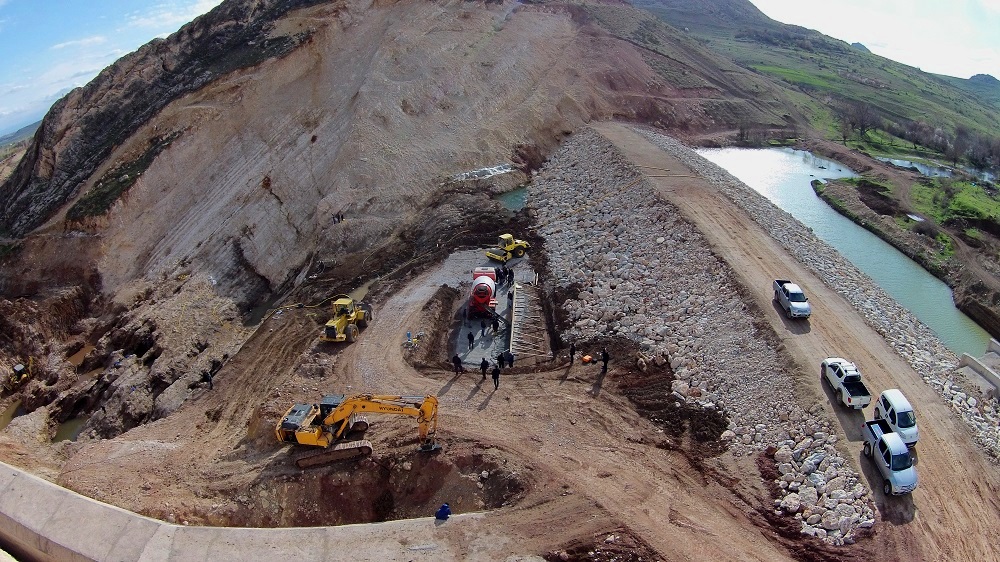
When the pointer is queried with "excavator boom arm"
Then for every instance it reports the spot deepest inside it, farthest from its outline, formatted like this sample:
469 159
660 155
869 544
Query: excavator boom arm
424 408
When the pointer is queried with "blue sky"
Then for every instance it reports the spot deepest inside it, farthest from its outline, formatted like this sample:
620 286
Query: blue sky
48 47
952 37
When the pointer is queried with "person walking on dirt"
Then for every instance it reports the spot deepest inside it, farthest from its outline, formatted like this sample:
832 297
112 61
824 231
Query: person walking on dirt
510 358
458 364
496 325
496 377
207 377
484 366
472 340
572 352
604 359
482 325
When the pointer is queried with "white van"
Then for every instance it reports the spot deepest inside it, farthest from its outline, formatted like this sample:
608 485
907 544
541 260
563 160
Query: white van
895 409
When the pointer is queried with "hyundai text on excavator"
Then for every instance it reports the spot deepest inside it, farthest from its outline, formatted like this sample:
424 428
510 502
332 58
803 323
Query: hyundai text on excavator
338 421
349 317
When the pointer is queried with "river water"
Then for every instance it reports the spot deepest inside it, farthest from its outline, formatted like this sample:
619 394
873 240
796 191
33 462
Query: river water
783 175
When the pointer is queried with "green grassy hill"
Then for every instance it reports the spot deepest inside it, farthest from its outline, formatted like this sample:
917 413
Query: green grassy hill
819 71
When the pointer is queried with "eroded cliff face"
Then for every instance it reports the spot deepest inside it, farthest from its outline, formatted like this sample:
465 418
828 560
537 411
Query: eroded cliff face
199 177
82 129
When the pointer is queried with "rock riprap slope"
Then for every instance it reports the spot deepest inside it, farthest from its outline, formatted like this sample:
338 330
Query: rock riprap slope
647 275
913 340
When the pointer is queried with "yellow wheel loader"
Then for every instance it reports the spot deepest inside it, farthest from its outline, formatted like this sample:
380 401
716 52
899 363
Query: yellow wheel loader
349 318
337 423
507 247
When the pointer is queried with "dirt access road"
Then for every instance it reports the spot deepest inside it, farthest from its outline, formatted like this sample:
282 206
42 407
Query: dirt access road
952 513
584 455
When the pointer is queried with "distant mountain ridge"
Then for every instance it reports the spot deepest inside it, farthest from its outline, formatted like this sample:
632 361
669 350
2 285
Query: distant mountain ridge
20 134
825 68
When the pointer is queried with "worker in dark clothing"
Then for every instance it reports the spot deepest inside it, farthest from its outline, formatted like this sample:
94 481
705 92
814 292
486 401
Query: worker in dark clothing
604 359
482 325
572 352
496 377
484 366
496 325
443 513
472 340
458 364
510 358
510 276
207 377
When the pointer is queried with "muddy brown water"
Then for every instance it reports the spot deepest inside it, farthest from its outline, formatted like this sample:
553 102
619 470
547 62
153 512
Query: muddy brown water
70 429
77 358
10 413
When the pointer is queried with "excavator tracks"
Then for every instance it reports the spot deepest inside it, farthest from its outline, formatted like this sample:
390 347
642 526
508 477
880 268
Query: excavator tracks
347 451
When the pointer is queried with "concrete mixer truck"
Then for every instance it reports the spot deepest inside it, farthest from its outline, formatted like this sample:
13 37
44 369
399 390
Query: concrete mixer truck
482 298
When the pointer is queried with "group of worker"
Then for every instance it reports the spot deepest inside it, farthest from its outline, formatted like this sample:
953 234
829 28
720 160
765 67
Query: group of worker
504 358
504 274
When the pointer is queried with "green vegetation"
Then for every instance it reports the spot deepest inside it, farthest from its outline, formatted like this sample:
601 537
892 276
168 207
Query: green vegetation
114 183
833 84
943 199
798 76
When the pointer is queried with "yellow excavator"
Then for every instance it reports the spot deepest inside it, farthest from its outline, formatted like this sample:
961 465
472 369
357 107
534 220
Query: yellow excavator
338 421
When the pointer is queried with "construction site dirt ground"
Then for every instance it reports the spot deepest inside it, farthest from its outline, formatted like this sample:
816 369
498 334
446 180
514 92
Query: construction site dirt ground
558 456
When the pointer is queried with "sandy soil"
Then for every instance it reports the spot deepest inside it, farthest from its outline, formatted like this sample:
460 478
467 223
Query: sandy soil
561 444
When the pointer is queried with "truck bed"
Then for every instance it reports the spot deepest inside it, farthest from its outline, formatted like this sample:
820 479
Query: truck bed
857 389
876 429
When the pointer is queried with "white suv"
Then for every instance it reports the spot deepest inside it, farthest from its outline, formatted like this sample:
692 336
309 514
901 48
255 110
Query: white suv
895 409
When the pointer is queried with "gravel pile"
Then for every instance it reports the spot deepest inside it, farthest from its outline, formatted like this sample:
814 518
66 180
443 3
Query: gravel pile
649 276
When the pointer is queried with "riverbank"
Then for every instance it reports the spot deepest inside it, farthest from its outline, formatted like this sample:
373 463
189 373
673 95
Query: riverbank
976 292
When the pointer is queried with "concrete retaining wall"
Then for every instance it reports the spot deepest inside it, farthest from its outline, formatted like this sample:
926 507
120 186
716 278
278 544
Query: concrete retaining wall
981 368
42 521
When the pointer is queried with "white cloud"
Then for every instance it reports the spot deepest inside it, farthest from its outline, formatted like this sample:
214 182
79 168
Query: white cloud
85 42
171 15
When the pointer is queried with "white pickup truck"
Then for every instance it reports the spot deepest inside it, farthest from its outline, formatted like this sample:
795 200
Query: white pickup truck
792 299
895 409
891 456
845 380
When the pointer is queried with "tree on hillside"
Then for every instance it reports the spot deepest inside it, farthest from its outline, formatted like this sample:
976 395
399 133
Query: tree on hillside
844 128
959 145
979 153
863 118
